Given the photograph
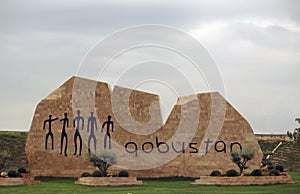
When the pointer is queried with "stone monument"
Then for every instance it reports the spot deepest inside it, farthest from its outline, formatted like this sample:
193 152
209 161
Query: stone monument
84 116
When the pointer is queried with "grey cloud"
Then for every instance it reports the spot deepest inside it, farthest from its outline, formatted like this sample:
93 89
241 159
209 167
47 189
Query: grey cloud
95 17
273 36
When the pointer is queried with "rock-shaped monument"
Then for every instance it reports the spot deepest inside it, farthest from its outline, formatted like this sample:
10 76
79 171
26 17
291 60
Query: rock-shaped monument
84 116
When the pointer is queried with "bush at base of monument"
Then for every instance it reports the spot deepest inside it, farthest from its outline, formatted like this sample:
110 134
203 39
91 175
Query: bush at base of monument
231 173
85 174
13 174
274 173
279 168
123 173
22 170
215 173
256 172
97 173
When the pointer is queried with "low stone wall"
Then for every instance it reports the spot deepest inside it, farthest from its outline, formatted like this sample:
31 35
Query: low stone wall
11 181
108 181
29 180
243 180
25 179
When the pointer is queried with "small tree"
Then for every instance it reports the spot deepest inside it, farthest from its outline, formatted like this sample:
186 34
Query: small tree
103 161
240 158
4 156
296 134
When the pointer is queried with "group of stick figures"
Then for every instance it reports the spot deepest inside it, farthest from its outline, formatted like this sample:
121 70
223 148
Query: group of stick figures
78 123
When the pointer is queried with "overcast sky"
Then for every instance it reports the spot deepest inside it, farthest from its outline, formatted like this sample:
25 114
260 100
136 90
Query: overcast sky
255 44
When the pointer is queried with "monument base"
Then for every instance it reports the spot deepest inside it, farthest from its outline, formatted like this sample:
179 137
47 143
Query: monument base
108 181
243 180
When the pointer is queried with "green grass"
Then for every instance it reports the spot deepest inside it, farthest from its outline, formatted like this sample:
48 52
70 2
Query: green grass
152 186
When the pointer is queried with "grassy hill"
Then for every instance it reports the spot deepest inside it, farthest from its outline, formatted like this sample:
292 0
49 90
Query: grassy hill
14 143
287 155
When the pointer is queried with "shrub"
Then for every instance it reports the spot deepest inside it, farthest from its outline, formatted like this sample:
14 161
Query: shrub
279 168
232 173
123 173
13 174
97 173
270 168
104 161
85 174
240 158
256 172
215 173
22 170
274 173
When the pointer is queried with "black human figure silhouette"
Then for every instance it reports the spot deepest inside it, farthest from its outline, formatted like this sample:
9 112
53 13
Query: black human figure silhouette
64 134
49 121
77 134
107 135
92 124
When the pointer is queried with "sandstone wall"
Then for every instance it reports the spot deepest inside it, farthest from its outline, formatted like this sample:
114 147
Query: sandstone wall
137 118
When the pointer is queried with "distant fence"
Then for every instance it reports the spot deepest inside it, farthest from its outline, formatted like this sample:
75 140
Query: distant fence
268 137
